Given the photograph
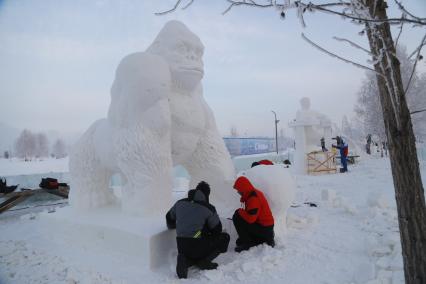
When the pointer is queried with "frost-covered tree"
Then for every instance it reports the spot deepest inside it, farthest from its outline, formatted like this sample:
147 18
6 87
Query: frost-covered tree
372 16
25 145
346 127
42 145
59 149
368 106
417 102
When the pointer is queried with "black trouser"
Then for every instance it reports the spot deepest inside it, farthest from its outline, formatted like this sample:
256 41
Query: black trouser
204 248
252 234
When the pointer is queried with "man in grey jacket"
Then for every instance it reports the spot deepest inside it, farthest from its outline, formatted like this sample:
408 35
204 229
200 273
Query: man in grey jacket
199 235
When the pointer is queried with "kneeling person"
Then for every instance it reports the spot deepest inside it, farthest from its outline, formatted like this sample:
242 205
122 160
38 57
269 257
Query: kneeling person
255 223
199 233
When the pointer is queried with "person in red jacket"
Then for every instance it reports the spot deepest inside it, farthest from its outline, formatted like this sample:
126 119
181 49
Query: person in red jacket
262 162
255 223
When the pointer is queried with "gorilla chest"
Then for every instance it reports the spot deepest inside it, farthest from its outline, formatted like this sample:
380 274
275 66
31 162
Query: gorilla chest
188 124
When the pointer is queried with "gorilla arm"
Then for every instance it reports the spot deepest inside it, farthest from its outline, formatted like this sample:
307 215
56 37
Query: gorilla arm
212 163
140 118
141 81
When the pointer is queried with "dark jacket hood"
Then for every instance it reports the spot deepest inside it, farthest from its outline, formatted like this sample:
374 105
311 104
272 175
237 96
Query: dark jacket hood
200 196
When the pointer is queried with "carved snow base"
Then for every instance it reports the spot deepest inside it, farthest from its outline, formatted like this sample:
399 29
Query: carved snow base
145 240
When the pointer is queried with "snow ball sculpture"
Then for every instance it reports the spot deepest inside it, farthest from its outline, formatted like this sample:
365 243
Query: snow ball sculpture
157 119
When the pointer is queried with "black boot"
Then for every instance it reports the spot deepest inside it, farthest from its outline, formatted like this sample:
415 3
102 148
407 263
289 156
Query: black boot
238 242
207 265
182 266
243 247
271 243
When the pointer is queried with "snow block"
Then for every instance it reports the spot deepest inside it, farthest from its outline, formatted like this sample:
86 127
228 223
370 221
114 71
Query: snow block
328 195
378 200
146 240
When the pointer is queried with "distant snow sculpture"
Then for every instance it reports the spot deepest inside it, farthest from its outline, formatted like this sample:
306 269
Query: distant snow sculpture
157 118
309 127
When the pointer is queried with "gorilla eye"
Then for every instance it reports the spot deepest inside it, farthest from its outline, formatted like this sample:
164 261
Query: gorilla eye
181 48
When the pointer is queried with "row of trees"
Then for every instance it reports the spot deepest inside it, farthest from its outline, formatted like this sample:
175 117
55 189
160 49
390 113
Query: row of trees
36 145
368 108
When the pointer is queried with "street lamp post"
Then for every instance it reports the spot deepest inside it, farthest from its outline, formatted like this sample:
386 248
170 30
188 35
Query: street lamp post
276 131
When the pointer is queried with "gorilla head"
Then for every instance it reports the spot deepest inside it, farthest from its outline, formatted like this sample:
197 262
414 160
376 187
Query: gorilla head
183 50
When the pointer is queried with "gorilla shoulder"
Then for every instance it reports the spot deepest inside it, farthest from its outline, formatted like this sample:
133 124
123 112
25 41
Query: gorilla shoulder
143 66
141 81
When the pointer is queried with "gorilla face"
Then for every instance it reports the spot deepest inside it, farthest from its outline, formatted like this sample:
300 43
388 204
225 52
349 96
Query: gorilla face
183 51
186 64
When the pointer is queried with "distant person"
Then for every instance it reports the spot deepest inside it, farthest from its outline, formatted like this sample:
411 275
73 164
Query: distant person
262 162
287 163
385 148
254 223
344 150
199 235
323 148
368 145
254 164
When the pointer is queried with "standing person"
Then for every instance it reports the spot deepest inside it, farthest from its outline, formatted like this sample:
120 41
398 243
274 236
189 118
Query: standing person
368 145
344 150
255 223
322 140
199 235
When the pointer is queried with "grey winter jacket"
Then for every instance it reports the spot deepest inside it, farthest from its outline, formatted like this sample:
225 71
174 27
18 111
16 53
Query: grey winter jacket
193 217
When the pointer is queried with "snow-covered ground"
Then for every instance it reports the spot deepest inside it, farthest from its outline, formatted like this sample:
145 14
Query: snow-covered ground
15 166
351 237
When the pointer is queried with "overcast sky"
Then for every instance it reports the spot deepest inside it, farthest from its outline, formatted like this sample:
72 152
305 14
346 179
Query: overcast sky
58 58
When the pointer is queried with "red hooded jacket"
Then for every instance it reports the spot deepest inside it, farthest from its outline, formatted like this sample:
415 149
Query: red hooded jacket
256 206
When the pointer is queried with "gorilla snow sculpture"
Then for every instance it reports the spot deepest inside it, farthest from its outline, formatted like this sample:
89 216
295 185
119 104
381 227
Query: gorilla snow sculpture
158 118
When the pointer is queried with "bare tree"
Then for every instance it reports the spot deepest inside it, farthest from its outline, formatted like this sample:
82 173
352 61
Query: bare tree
417 101
368 107
42 145
409 190
59 149
25 145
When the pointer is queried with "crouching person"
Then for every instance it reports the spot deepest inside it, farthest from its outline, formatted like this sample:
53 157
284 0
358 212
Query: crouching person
255 223
199 233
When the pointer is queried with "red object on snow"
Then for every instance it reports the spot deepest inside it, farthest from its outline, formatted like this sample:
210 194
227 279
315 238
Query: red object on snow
265 162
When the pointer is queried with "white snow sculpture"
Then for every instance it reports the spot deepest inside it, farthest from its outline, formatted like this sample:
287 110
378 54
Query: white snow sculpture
309 127
157 118
279 187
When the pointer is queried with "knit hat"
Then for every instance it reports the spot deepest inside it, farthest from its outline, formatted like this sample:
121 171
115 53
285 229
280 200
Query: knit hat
204 187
